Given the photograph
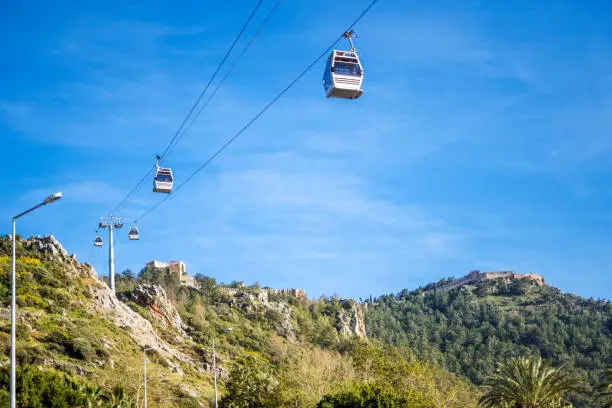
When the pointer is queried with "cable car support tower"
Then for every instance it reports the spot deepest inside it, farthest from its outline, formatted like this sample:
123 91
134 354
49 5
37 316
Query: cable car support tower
111 223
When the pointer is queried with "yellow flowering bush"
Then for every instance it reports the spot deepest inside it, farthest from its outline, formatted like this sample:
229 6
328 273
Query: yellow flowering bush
26 260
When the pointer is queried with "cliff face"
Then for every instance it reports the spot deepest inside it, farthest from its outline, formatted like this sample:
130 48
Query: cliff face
350 320
256 304
154 298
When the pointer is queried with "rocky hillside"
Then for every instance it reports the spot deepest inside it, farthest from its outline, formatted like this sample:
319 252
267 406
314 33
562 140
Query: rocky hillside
469 324
81 345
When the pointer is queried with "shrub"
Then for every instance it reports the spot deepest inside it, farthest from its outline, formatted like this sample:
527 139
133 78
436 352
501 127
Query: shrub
38 388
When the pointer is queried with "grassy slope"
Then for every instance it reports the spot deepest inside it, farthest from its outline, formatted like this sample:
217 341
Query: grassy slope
58 328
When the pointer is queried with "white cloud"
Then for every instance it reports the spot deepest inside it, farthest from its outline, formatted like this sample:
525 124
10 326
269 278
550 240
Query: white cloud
281 219
318 193
87 192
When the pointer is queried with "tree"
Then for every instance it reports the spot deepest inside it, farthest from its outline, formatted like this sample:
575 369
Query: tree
362 396
526 383
309 374
604 391
128 274
251 384
208 285
117 398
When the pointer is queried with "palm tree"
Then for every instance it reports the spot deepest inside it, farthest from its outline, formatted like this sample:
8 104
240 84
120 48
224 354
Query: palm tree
118 398
604 391
525 383
94 397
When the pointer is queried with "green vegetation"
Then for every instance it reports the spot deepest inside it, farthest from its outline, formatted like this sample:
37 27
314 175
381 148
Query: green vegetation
526 383
42 388
468 330
65 350
604 390
288 359
283 350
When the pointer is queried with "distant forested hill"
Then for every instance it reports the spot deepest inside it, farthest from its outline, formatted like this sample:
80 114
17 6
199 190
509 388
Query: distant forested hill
469 328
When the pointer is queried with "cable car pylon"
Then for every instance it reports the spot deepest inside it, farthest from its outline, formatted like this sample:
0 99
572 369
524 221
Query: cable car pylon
111 223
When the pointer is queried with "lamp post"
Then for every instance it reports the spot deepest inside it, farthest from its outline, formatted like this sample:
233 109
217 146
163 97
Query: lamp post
144 351
48 200
215 363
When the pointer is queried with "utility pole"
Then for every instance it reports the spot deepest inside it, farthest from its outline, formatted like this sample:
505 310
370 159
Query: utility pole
229 329
214 370
110 223
145 375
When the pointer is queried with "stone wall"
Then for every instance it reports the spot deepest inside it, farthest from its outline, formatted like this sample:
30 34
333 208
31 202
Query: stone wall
300 293
476 276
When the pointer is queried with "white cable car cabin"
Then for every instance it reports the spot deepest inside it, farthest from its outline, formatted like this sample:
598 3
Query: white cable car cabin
343 74
98 241
134 235
163 181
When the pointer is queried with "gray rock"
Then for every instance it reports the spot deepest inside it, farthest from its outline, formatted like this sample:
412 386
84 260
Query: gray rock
154 298
350 320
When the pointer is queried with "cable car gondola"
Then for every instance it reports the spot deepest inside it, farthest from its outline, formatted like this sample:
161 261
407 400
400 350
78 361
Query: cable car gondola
134 235
343 73
98 241
163 181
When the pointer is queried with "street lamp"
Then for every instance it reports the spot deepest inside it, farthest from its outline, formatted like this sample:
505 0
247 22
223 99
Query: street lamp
48 200
144 351
215 363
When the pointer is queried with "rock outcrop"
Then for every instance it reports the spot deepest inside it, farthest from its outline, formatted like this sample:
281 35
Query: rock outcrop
350 320
103 301
154 298
49 246
256 303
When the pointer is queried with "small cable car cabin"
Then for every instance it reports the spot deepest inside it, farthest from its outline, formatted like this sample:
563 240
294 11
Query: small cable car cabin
134 235
98 241
343 74
163 181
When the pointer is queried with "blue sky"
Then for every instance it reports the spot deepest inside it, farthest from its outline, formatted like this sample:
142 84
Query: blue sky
482 140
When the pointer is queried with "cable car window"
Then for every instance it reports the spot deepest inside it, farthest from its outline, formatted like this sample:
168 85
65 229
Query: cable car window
163 177
347 68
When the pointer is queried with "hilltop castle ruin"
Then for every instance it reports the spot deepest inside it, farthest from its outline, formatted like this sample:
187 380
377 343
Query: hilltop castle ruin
179 269
476 276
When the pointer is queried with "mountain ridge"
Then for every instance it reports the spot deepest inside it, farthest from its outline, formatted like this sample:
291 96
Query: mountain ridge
466 325
82 344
